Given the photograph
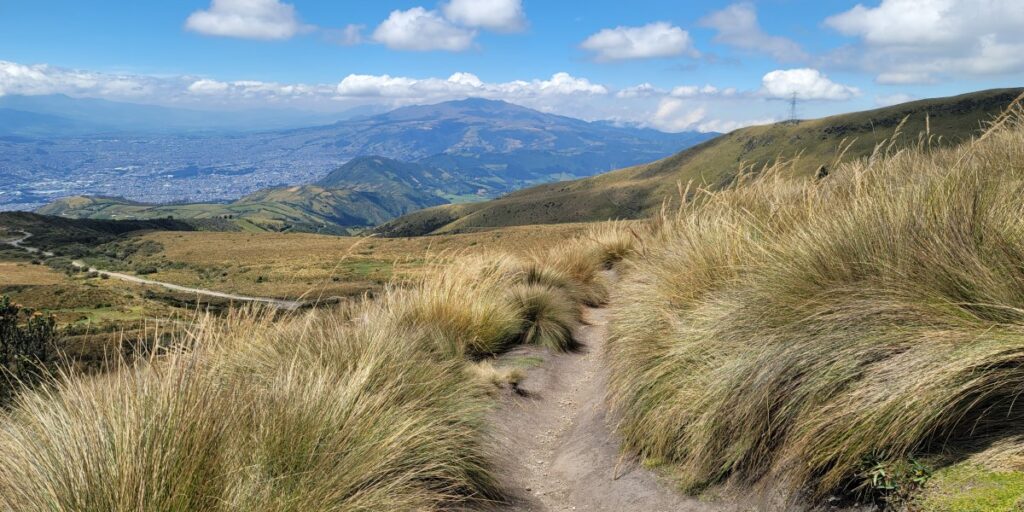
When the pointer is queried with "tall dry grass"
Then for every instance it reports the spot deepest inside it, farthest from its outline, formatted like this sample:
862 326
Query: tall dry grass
374 406
794 334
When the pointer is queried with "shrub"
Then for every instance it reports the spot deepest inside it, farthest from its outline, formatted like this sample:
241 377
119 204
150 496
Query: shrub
151 438
27 346
145 270
464 306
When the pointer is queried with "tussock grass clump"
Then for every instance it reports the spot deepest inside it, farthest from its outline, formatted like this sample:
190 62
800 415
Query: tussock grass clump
348 418
378 405
583 260
795 333
150 438
496 377
550 316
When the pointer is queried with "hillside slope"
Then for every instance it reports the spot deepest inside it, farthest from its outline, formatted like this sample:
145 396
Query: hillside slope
380 174
49 231
635 192
307 208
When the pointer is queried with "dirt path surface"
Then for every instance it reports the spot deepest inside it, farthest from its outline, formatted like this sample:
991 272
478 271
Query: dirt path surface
561 454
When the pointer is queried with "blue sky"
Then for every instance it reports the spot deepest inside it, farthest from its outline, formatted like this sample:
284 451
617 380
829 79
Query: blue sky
672 65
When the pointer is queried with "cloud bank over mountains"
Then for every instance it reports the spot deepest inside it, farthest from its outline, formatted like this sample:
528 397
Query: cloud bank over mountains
896 43
683 107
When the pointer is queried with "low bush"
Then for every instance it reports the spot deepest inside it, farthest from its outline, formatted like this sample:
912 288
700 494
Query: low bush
28 341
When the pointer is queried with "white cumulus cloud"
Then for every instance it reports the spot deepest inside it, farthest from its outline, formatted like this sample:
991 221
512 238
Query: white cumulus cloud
44 79
674 115
689 91
806 83
920 41
418 29
496 15
461 85
207 86
643 90
737 26
247 19
658 39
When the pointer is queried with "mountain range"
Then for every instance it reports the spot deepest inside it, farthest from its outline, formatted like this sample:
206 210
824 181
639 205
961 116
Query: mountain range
496 140
374 190
482 149
639 191
397 162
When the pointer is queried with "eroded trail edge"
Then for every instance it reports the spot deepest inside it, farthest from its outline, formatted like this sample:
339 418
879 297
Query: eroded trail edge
560 452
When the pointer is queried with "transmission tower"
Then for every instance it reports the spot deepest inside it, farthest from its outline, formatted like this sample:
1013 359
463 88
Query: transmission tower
792 109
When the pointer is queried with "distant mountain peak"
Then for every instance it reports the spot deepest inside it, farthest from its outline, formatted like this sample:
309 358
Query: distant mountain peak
477 101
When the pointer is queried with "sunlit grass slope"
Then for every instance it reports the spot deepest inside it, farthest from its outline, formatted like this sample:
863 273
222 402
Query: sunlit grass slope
376 406
805 334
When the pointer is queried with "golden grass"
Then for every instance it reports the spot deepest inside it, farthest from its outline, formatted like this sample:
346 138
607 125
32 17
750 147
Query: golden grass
26 274
377 405
294 265
793 334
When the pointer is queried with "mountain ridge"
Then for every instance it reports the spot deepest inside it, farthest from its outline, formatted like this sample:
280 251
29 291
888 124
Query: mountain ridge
637 191
485 148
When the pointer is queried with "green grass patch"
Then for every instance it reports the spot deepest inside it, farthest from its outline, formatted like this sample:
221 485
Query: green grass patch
972 488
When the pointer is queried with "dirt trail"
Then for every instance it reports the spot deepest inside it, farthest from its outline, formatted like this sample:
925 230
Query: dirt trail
561 454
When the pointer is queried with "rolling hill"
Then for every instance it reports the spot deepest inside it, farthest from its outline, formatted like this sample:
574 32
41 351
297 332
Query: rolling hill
638 191
308 208
49 231
366 191
379 174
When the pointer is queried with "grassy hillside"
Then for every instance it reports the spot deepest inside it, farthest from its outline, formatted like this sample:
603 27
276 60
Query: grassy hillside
51 232
379 174
851 336
294 265
636 192
307 208
376 406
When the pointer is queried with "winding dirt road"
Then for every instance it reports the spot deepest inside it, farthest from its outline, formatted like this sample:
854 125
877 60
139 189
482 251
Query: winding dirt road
278 303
